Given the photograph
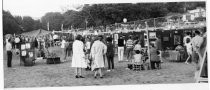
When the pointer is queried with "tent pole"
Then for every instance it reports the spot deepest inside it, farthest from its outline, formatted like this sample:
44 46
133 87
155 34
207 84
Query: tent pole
148 49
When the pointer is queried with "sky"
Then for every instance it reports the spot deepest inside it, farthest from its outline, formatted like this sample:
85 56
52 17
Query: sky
38 8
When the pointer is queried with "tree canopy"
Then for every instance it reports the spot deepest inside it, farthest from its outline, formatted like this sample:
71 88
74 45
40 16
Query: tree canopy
95 15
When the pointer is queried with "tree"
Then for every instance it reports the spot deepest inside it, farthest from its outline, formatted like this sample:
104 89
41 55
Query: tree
55 20
10 25
28 23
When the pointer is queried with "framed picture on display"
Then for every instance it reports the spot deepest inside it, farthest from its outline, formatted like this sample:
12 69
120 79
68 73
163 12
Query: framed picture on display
30 54
166 39
28 45
23 46
152 35
23 53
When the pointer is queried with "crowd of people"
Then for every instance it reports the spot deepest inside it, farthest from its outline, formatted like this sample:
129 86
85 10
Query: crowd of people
90 53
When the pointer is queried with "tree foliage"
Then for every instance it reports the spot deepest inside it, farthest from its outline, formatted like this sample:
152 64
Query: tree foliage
96 15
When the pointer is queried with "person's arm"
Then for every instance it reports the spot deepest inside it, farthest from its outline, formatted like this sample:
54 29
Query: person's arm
200 42
105 48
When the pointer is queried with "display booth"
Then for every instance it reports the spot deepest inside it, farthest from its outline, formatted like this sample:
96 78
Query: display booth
27 53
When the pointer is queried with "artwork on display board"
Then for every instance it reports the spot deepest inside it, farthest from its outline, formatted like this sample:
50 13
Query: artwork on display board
152 35
30 54
28 46
177 39
23 53
23 46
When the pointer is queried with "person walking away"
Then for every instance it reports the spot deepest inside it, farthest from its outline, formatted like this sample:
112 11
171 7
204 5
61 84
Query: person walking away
154 58
9 53
188 46
121 44
129 48
187 36
196 44
63 42
98 51
78 57
158 45
110 54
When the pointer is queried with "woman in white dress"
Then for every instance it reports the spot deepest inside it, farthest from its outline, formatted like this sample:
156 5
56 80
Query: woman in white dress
189 49
78 58
98 50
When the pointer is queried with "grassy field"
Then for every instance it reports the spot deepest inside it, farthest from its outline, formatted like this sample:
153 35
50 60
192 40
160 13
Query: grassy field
58 75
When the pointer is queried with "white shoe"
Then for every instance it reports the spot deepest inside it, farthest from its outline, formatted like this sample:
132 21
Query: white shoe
108 70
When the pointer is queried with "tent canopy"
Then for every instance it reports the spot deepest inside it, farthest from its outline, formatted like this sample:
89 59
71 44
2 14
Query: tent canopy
36 33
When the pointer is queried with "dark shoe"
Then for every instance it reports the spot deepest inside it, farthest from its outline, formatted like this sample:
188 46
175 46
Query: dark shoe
101 77
95 77
77 76
81 77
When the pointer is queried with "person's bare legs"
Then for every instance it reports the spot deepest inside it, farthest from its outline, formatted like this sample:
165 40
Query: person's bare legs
101 75
188 58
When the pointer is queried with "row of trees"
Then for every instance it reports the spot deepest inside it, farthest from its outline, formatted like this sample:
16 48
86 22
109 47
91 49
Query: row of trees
95 15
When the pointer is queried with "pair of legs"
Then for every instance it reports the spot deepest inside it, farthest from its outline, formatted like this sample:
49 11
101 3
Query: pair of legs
78 73
195 59
110 60
9 59
155 64
129 53
188 58
66 52
98 71
120 53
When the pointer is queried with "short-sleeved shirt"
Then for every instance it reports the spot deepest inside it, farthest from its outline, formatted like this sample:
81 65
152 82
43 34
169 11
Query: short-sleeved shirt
129 43
8 47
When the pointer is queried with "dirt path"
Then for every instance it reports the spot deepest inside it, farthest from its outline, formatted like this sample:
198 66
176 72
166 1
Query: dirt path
44 75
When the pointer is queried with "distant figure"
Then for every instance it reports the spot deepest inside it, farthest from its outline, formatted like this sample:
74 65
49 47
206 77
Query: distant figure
98 51
63 42
129 48
188 46
110 54
9 53
121 44
158 45
36 43
187 37
78 58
